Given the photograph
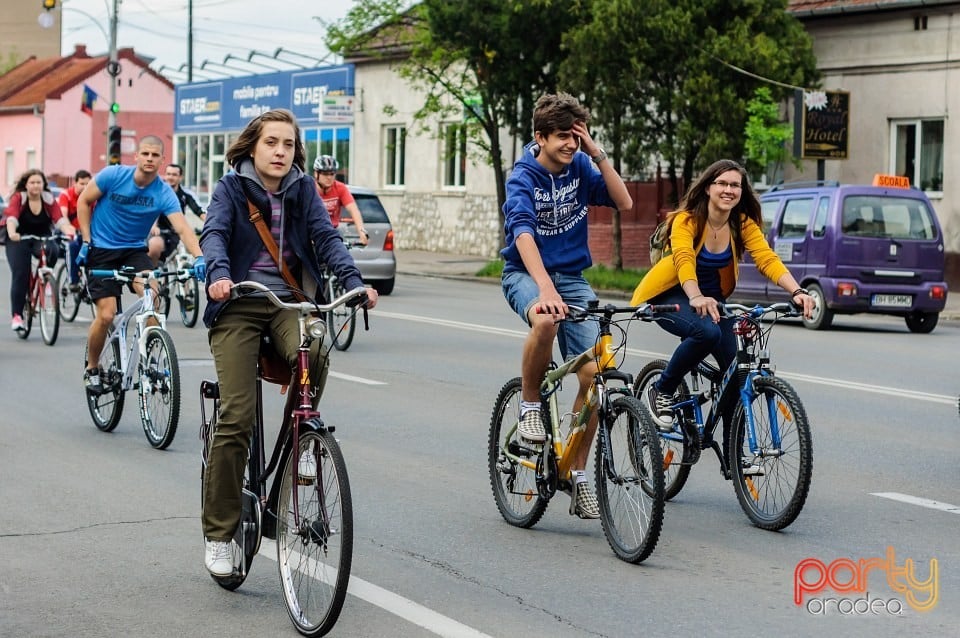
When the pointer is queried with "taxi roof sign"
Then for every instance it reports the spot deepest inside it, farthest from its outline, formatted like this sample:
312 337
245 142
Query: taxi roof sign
893 181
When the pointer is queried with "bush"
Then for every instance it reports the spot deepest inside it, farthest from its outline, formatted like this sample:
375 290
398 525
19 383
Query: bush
599 276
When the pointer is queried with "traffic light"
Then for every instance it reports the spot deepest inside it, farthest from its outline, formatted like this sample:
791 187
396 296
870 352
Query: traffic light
49 4
114 108
113 145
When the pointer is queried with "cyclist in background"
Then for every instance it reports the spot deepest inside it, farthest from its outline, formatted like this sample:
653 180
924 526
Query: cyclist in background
558 176
336 195
163 239
68 208
31 211
129 199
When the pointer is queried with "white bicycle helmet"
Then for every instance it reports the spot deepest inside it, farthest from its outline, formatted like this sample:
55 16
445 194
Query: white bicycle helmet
326 163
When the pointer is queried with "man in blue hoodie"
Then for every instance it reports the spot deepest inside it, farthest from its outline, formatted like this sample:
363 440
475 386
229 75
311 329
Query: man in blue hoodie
560 174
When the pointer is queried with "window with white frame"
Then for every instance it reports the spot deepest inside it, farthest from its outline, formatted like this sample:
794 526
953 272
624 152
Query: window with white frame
454 155
917 152
394 155
10 175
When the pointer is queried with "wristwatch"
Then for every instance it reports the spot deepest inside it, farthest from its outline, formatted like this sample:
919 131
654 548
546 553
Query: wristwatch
599 157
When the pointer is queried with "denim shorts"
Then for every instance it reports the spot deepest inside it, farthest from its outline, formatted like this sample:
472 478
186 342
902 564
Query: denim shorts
521 293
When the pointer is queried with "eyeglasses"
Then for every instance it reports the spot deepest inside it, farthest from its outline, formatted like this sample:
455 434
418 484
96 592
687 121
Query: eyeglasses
725 185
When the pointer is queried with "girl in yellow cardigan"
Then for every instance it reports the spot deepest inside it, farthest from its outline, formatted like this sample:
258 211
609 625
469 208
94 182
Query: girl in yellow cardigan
717 221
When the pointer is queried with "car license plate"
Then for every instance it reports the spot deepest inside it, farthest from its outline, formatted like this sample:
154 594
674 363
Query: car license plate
895 301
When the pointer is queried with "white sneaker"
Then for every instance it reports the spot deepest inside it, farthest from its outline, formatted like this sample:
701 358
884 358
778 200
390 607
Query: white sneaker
307 467
218 557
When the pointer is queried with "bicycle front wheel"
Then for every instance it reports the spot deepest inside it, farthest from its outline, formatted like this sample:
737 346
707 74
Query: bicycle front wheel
49 304
106 408
630 482
69 301
342 320
772 480
672 441
159 390
189 299
513 478
315 533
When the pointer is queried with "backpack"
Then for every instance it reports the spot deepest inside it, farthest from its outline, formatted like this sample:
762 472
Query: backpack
660 242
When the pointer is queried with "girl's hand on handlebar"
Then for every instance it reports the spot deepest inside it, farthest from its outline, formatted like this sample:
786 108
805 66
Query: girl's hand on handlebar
806 303
220 289
706 306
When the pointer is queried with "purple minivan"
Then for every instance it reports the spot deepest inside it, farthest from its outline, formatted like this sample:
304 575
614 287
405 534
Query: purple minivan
874 249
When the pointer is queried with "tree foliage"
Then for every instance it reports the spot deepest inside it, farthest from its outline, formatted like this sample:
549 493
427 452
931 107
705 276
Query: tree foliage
766 136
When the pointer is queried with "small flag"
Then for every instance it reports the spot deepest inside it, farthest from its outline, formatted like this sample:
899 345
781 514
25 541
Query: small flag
87 100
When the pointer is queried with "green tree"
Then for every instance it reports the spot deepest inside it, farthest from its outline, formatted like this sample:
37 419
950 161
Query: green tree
488 59
766 136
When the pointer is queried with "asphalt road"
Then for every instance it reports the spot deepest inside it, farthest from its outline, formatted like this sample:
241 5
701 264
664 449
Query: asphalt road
101 533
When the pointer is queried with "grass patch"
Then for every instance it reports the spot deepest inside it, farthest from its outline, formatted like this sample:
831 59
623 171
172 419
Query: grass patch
599 276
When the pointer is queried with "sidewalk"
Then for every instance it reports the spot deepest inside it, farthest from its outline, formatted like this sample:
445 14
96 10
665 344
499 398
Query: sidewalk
453 266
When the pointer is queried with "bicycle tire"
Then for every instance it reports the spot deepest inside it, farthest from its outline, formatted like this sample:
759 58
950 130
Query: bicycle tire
314 555
342 320
773 499
632 496
27 312
671 448
514 485
48 301
189 302
159 389
69 301
106 408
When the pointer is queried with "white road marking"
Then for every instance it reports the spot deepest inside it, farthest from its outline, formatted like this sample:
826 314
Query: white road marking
203 363
395 604
916 500
899 393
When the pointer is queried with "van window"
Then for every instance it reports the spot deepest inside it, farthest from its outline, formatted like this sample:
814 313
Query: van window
820 221
879 216
768 209
796 216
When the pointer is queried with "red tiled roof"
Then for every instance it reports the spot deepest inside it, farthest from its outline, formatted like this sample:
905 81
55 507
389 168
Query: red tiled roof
34 81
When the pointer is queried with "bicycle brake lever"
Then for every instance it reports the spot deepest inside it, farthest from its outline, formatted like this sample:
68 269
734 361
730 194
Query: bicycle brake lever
366 318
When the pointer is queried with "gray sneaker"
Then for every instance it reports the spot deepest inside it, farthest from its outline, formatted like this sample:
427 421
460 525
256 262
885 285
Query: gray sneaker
661 407
530 427
91 379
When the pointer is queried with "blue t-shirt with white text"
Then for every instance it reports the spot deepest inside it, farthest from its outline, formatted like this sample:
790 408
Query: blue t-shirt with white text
126 212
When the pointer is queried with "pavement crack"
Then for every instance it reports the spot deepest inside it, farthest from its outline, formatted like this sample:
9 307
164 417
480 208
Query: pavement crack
82 528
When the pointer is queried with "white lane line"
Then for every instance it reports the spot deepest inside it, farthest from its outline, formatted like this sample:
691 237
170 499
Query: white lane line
916 500
395 604
837 383
202 363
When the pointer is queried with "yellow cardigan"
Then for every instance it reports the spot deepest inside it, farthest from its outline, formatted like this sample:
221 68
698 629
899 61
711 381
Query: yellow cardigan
681 264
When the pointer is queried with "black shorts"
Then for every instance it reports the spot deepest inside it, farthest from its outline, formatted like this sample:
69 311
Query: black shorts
113 259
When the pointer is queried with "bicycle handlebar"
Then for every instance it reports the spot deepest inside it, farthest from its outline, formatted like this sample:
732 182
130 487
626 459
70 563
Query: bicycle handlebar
785 308
303 307
128 275
644 312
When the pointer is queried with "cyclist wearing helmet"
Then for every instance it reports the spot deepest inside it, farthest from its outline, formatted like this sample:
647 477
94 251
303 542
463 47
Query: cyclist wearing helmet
336 195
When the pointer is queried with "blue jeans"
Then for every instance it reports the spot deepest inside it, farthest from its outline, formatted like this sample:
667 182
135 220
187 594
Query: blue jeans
521 293
699 337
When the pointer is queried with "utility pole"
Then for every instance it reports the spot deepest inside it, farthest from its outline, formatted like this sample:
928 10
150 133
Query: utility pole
113 70
189 40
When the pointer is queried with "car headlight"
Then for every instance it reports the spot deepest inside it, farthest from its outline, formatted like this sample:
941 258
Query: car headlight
317 328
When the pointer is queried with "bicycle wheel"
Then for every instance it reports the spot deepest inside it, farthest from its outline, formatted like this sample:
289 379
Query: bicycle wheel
189 299
69 301
342 320
49 307
159 389
630 484
106 408
671 442
315 550
773 484
514 482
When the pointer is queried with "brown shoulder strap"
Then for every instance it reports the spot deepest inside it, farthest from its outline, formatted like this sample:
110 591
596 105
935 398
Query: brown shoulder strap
271 245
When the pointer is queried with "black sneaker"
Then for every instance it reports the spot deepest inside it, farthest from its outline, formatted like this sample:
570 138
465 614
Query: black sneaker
91 379
661 408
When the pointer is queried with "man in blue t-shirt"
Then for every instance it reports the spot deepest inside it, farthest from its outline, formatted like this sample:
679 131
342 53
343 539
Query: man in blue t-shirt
558 176
128 201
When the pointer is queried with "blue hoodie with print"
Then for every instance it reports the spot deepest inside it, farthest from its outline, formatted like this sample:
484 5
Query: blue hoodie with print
553 209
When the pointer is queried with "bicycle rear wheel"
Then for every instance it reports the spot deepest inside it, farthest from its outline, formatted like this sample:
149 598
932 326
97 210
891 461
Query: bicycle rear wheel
49 305
342 320
514 482
107 407
189 300
315 550
159 389
772 485
630 484
69 301
671 442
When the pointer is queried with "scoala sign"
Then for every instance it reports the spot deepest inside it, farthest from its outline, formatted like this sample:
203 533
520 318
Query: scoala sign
853 579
